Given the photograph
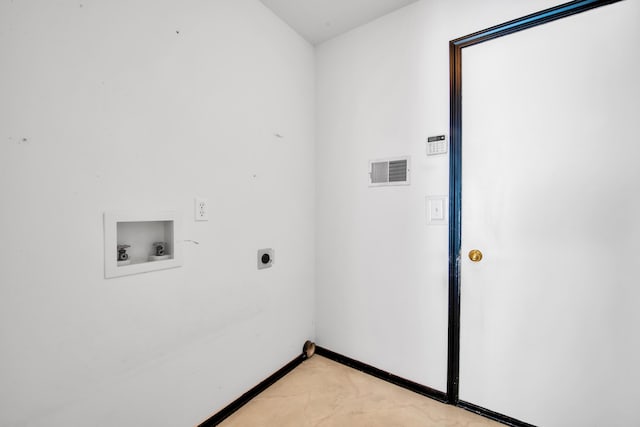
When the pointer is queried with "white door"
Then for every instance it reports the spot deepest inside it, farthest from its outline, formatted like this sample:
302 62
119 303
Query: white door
550 317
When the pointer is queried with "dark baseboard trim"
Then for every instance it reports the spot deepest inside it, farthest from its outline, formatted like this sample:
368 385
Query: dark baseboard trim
440 396
245 398
383 375
492 415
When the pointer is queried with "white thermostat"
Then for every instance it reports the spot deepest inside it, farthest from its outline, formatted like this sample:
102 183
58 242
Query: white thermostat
437 145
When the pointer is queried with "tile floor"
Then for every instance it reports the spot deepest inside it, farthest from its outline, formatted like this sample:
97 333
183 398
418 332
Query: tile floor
324 393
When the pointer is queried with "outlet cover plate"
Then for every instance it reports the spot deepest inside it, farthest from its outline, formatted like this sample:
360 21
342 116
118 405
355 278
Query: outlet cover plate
201 209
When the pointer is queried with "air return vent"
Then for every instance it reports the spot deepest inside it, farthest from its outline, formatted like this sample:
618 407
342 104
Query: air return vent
394 171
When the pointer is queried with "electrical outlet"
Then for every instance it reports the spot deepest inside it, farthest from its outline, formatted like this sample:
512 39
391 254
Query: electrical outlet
202 209
265 258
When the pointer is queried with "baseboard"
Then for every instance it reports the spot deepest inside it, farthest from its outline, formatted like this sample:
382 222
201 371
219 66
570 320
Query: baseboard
224 413
383 375
440 396
492 415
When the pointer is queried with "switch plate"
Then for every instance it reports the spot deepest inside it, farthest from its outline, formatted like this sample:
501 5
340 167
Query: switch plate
436 209
201 209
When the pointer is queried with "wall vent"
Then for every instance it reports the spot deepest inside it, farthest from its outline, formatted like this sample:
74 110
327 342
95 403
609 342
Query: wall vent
393 171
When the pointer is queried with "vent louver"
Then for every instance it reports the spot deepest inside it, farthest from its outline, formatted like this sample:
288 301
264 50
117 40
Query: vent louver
389 172
398 171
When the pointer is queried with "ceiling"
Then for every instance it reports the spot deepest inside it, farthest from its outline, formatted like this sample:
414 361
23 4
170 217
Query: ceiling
320 20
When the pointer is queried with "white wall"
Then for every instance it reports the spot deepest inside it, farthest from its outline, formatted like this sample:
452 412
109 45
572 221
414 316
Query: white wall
382 273
144 105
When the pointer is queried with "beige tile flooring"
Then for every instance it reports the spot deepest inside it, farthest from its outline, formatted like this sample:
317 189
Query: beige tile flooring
323 393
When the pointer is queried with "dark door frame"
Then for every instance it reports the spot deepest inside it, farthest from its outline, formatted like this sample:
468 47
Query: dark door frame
455 178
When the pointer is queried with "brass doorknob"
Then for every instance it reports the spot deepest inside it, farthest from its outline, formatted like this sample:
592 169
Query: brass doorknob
475 255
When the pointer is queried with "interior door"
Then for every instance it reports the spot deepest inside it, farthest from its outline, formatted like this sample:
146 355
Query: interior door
550 316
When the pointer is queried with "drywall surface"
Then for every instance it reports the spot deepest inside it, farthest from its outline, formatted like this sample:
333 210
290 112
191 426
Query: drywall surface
145 105
382 272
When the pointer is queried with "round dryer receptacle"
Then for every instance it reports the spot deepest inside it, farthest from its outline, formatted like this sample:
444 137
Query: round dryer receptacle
266 258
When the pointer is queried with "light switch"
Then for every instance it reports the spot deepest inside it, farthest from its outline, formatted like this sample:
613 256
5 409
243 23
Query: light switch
436 209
